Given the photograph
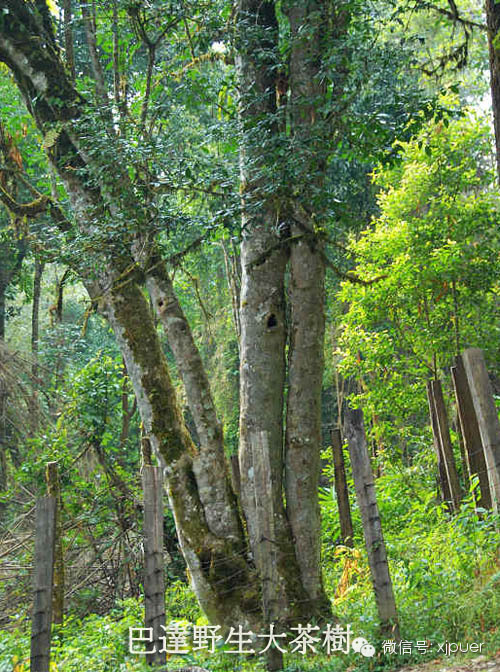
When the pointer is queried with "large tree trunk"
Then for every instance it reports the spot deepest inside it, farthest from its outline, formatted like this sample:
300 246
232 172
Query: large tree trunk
262 376
262 318
219 571
303 426
309 34
209 465
224 580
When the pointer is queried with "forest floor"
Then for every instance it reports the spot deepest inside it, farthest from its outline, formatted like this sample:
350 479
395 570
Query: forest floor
479 664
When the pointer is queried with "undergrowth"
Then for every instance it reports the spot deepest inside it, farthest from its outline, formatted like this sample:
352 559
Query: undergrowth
445 570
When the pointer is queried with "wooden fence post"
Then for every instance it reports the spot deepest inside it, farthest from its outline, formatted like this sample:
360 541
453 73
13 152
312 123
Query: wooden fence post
341 489
154 581
443 477
41 623
54 490
372 527
470 431
487 418
445 443
265 532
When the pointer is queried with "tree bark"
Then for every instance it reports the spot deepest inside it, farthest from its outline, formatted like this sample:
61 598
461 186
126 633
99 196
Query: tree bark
493 28
91 37
231 264
54 490
341 490
12 252
222 579
262 378
262 317
309 32
68 38
235 475
210 467
303 420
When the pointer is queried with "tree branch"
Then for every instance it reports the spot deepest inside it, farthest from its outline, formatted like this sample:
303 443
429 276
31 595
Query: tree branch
32 209
450 14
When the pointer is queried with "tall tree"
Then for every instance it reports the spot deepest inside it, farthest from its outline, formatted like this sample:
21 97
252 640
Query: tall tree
284 568
214 548
262 316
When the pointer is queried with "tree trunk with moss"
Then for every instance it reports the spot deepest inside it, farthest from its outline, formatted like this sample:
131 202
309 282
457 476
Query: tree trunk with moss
493 29
214 548
306 293
281 581
210 466
263 325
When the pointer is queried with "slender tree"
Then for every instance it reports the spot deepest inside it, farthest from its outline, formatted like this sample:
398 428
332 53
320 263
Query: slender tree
493 27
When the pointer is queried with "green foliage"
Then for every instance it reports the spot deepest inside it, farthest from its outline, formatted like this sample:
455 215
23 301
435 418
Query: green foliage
444 571
429 268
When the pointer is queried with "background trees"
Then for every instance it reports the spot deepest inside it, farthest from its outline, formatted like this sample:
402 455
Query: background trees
433 253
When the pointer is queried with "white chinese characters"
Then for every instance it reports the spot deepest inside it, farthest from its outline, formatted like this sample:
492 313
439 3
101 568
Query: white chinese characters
181 638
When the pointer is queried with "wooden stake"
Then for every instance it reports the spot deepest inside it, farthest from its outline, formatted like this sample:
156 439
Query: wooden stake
154 582
372 527
54 490
443 477
470 432
265 526
341 489
45 536
487 417
445 444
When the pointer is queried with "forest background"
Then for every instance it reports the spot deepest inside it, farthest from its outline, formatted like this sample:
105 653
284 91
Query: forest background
221 223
